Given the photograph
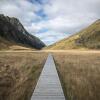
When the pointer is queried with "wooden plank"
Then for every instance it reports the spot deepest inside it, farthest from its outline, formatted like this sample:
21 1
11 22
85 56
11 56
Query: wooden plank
48 86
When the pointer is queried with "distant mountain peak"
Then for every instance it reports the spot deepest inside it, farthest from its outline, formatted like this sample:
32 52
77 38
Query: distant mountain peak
12 30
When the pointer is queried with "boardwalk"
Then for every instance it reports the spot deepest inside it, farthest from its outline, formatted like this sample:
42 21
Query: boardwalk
48 86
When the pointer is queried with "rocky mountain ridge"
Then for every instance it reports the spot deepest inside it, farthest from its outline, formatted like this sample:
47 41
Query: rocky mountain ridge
12 30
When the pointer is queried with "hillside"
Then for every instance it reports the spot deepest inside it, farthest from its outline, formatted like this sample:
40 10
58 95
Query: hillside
88 38
12 32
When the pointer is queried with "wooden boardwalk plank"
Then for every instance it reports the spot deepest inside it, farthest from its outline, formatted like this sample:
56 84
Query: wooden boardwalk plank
48 86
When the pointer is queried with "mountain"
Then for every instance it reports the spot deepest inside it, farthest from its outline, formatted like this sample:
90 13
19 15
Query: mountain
88 38
12 32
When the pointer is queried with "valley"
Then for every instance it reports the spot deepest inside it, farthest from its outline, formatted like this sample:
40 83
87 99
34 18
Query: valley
23 55
79 73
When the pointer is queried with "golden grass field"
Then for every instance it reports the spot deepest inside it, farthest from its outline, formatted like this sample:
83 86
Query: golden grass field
79 73
19 72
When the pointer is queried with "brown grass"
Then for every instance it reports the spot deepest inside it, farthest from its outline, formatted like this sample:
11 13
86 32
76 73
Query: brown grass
80 74
19 73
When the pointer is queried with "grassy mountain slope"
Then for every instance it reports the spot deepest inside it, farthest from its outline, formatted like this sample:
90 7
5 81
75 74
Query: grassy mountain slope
8 45
88 38
4 44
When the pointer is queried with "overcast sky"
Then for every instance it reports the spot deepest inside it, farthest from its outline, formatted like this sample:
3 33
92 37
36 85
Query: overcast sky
52 20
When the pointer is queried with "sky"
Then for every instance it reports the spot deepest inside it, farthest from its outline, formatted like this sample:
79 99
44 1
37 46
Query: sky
52 20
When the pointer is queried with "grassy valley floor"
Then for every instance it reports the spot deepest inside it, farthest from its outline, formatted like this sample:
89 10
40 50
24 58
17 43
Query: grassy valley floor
79 73
19 72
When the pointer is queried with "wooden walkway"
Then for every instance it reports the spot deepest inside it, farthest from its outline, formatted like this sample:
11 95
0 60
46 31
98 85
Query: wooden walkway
48 86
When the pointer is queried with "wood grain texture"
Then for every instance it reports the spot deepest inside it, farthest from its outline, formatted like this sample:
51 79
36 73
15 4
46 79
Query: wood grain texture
48 86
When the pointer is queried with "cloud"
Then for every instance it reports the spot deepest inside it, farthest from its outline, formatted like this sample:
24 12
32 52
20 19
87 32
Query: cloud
21 9
51 37
60 18
72 13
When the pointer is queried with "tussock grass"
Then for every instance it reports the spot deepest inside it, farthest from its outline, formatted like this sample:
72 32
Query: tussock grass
19 72
80 74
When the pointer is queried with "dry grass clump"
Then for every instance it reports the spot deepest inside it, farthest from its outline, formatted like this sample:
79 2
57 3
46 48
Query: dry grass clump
19 73
80 74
